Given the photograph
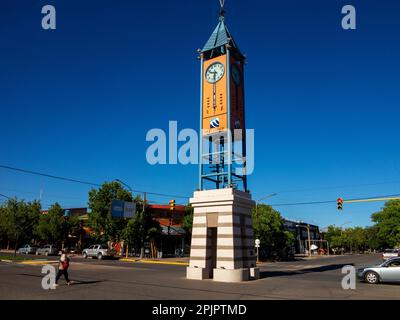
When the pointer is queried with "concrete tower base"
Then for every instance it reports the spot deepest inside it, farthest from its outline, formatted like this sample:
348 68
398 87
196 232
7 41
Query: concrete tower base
222 238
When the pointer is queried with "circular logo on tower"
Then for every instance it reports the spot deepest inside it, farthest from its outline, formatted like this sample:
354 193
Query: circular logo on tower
214 123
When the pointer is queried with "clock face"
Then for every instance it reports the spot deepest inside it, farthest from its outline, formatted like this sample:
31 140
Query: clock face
215 72
236 74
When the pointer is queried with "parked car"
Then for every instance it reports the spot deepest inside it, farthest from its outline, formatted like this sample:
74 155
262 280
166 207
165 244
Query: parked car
48 250
388 271
390 253
98 251
27 249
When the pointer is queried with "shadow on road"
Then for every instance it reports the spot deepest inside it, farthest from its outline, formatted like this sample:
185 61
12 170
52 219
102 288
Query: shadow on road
270 274
77 282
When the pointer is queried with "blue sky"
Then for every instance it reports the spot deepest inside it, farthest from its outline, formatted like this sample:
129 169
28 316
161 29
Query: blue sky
324 102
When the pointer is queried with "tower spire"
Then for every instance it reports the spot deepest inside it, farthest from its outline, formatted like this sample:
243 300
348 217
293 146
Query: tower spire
222 10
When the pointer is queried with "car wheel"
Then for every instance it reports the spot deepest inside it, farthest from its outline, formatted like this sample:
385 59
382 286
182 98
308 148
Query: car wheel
99 256
371 277
84 255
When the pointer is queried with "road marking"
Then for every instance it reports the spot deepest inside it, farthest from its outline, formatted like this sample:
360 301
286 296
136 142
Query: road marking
35 262
166 262
178 263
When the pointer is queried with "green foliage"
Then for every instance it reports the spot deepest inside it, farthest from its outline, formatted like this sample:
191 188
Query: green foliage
52 226
187 223
3 229
387 223
385 233
19 219
268 226
132 232
106 227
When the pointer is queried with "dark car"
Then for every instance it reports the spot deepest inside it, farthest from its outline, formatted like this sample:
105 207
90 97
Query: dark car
388 271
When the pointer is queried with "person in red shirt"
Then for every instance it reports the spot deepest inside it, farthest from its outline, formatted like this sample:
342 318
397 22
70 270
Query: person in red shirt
63 266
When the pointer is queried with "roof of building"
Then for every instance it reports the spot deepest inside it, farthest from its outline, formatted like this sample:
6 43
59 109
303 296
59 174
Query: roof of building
220 37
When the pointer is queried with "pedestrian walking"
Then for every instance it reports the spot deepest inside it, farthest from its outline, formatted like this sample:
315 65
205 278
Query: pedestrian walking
63 266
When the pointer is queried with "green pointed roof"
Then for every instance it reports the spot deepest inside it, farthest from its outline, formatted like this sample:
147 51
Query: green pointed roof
220 37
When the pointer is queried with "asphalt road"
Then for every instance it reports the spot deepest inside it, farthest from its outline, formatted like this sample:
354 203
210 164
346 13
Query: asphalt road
318 278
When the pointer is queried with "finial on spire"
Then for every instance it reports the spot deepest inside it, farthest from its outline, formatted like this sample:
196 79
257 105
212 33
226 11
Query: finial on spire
222 11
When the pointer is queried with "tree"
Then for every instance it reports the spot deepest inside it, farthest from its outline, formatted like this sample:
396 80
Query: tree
104 226
20 220
131 233
187 223
387 222
372 239
53 226
268 226
3 230
355 239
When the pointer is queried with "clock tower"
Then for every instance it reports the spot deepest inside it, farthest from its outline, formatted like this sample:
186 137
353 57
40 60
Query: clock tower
222 124
222 246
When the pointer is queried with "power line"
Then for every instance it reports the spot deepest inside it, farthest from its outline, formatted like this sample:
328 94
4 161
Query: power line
340 187
333 201
85 182
49 175
302 203
2 195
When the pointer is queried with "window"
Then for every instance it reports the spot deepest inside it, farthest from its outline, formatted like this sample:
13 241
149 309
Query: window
394 263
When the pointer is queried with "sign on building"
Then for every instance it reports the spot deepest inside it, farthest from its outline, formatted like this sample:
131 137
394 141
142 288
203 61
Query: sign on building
123 209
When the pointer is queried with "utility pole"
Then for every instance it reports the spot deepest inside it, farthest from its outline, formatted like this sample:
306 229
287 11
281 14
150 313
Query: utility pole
309 240
308 236
142 223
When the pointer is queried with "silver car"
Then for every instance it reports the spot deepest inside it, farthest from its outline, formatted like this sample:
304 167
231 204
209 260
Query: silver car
27 249
98 251
388 271
48 250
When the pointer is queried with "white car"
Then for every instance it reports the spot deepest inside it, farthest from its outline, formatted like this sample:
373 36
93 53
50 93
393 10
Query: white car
391 253
98 251
27 249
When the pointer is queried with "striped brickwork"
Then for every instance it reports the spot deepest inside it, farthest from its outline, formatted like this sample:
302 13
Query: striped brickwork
229 211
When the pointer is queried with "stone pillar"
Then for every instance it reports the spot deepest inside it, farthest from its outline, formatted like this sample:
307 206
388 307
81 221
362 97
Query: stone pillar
222 237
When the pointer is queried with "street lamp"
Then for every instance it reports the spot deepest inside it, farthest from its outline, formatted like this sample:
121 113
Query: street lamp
120 181
263 198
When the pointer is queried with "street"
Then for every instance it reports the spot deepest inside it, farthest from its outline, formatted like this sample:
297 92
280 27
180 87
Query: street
315 278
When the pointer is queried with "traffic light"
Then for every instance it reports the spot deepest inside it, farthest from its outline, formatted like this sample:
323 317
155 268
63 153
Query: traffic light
172 205
340 204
